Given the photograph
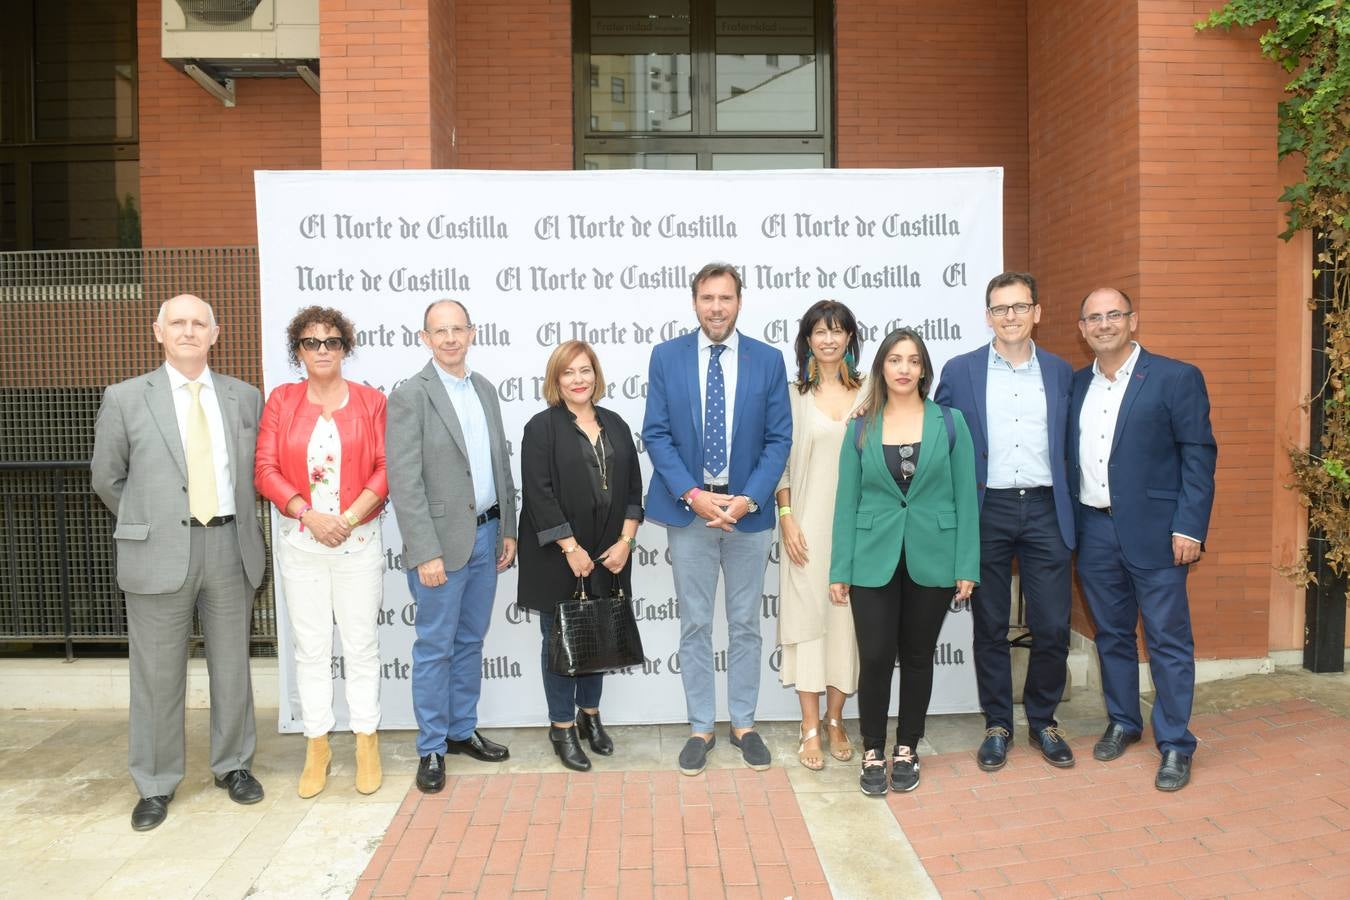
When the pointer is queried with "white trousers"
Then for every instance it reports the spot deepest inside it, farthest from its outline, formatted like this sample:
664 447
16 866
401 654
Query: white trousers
347 589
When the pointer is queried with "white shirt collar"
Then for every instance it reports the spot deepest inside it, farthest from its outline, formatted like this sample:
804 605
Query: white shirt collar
1125 369
453 380
177 379
732 343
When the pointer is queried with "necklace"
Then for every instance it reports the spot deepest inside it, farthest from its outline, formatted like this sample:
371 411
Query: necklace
599 450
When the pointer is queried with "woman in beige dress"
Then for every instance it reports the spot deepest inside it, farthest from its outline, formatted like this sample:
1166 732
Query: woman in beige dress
820 646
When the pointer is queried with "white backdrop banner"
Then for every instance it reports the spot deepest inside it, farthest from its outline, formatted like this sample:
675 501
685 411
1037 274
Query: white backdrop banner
607 257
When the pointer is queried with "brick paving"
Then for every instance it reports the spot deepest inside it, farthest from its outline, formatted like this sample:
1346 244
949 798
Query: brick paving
1267 812
733 833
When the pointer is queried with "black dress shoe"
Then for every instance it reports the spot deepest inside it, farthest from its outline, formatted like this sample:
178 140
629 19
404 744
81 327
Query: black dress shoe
1053 746
1113 742
594 732
150 812
479 748
993 752
1175 771
431 774
567 744
243 787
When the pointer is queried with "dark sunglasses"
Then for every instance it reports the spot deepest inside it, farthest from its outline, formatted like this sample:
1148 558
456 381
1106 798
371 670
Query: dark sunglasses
333 344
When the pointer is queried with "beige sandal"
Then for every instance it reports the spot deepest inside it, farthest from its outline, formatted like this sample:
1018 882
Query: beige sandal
840 750
811 759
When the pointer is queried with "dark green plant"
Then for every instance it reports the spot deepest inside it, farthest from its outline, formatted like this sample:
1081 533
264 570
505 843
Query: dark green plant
1311 39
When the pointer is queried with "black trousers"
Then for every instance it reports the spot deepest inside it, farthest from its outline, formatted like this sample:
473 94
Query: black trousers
901 619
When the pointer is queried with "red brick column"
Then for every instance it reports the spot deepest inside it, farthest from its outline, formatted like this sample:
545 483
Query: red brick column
1153 168
381 108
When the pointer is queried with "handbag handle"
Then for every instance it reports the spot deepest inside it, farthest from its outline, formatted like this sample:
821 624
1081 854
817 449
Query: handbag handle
582 592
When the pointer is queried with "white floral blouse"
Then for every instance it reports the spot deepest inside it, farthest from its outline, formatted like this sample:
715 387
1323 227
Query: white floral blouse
325 468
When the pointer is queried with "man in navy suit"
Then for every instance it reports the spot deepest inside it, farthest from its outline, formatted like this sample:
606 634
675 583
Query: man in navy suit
717 429
1142 458
1015 396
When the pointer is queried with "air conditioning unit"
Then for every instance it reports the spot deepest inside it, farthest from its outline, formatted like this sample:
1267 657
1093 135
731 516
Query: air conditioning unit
217 41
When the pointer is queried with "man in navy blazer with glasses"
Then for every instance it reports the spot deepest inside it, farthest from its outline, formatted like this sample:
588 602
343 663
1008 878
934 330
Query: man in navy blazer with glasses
1142 457
1015 397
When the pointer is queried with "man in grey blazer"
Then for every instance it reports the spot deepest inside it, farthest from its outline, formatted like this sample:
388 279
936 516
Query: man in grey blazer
450 483
173 460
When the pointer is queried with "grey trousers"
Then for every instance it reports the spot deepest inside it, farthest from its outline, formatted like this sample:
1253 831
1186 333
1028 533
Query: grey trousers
158 626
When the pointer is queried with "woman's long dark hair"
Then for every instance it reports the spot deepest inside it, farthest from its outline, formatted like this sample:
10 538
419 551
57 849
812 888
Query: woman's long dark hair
834 315
876 391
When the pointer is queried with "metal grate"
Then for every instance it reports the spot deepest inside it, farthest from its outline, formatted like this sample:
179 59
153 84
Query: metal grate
72 322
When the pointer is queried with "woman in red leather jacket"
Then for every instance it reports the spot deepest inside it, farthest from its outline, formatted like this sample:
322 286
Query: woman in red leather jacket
320 459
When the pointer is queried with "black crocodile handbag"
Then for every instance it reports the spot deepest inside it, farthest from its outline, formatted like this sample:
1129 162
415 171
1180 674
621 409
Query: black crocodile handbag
593 634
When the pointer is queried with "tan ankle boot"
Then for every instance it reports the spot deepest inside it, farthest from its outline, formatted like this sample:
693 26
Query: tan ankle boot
369 775
318 760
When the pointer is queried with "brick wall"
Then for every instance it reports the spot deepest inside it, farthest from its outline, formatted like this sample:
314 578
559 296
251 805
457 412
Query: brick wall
922 84
513 94
1153 169
377 85
1208 182
198 158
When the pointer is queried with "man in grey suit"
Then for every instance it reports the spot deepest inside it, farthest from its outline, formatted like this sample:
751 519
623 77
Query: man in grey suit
450 482
173 460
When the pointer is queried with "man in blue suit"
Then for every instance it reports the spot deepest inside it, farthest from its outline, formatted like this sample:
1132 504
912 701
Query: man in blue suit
717 429
1142 458
1015 396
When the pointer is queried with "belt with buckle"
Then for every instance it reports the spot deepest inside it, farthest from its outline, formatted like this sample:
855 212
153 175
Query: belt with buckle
1101 509
716 488
1020 492
494 513
212 522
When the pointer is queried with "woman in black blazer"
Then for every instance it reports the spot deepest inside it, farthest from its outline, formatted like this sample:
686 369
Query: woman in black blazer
582 492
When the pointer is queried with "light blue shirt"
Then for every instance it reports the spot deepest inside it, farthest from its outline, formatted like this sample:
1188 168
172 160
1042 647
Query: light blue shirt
477 441
1019 433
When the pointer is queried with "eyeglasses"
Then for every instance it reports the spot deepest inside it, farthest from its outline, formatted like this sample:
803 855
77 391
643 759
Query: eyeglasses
458 332
332 344
1114 316
1001 310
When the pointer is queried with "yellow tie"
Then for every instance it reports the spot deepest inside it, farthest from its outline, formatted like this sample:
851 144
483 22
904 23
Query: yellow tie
201 468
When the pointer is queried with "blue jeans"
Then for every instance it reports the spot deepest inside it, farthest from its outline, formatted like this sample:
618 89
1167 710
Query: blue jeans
697 552
452 620
566 694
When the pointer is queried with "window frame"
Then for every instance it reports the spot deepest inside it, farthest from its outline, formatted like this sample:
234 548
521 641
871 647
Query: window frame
703 140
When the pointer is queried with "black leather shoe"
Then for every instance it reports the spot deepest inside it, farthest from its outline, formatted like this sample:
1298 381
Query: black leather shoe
594 732
993 752
431 774
243 787
150 812
1113 742
1175 771
1053 744
567 744
479 748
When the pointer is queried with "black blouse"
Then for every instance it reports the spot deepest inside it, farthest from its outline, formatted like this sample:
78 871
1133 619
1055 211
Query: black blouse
902 460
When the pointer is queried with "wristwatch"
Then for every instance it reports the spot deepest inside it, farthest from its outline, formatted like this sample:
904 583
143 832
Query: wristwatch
750 503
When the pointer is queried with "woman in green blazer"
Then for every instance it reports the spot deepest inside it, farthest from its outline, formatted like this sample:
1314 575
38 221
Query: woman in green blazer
906 531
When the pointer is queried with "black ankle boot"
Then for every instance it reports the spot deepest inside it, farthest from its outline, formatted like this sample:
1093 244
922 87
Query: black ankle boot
595 734
567 744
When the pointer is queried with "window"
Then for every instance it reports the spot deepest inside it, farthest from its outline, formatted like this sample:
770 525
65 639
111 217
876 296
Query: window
725 83
69 177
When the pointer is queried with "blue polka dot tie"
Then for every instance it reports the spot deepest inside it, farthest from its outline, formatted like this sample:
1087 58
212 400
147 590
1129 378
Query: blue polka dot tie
715 416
